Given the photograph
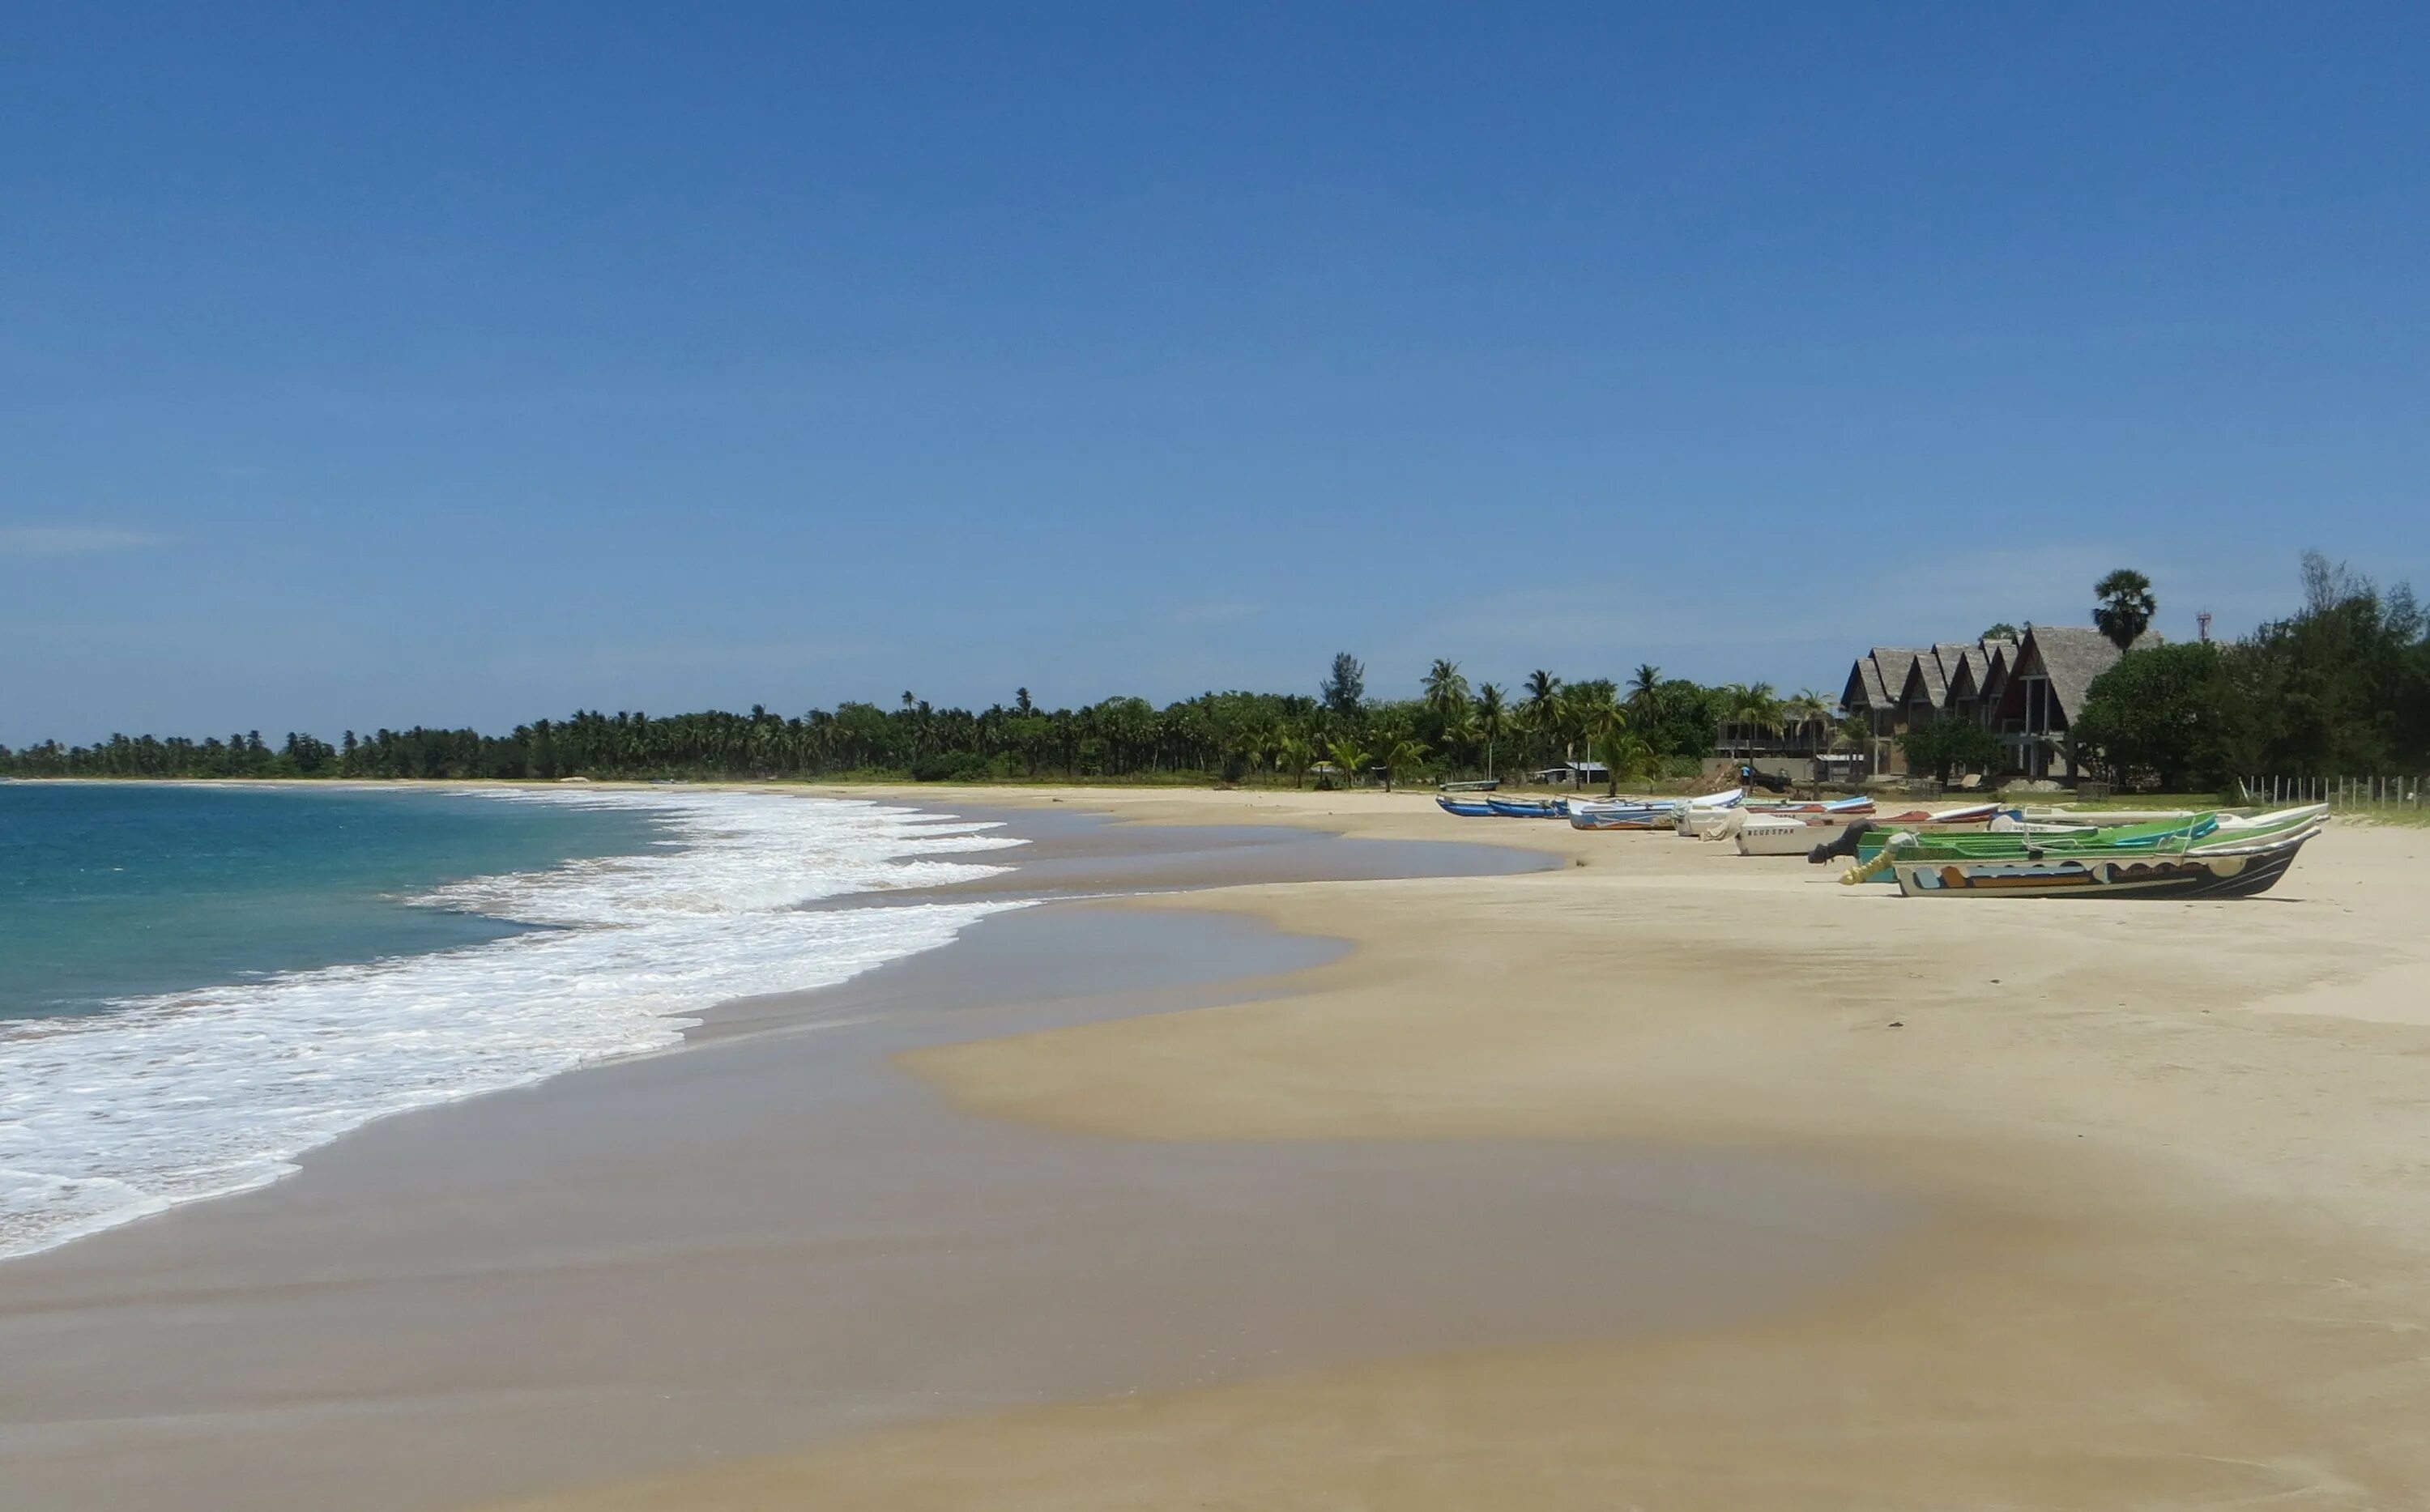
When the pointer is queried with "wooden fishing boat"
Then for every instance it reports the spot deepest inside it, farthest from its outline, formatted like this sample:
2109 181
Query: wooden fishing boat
1528 808
1809 834
2209 856
1699 816
1606 813
1812 836
1466 809
2238 871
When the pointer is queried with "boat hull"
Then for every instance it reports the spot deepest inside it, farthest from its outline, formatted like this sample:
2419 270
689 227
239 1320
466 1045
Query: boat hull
1528 808
2184 876
1639 820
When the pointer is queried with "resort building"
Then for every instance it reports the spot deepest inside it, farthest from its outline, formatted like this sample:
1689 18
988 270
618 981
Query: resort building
1876 692
2054 669
2028 691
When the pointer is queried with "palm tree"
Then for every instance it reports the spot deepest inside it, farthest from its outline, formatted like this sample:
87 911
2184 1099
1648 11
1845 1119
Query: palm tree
1446 689
1604 728
1349 756
2125 608
1467 737
1542 710
1808 709
1292 754
1492 720
1756 708
1624 754
1400 758
1642 684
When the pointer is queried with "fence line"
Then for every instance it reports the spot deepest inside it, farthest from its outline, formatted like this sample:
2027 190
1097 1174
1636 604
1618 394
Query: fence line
2337 793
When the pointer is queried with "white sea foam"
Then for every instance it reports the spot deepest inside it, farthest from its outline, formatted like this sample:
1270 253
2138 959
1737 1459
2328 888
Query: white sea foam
167 1100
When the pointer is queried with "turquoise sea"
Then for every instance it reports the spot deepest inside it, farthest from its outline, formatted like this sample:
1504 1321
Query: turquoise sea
113 891
199 984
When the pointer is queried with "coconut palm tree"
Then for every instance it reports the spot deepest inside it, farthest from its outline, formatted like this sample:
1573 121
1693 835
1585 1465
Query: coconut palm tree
1756 706
1623 754
1642 684
1292 754
1809 710
1602 726
1446 691
1401 759
1348 754
2126 606
1541 710
1492 720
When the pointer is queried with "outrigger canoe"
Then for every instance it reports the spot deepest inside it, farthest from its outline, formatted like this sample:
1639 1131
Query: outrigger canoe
1466 808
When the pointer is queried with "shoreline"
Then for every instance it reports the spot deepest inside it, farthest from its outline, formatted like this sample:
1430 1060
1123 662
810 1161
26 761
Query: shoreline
162 1098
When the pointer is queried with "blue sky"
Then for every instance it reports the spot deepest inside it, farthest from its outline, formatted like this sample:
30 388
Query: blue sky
394 364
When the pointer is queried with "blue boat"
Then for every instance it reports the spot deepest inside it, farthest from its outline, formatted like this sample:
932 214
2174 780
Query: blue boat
1477 808
1530 808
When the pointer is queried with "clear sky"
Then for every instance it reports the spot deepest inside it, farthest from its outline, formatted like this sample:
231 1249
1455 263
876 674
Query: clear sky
387 364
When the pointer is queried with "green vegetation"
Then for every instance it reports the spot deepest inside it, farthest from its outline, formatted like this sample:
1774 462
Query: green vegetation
1944 746
1661 726
2162 713
2341 688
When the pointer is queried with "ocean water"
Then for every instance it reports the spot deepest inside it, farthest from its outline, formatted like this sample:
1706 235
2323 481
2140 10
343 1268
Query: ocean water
198 984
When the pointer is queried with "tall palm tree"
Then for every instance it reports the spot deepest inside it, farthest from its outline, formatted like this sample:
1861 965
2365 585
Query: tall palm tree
1467 736
1754 707
1492 720
1642 684
1542 708
1446 691
2126 606
1809 710
1603 727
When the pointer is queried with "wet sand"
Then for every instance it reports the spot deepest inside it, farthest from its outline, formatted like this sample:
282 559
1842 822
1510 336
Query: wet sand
778 1238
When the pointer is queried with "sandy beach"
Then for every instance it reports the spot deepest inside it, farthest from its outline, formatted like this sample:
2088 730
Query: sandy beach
1301 1173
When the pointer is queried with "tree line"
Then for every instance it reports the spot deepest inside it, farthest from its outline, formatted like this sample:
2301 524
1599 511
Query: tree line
2338 689
1652 725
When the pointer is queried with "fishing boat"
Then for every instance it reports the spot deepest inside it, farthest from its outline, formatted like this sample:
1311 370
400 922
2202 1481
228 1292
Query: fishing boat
1466 808
1623 813
1528 808
1699 815
1809 833
1712 822
1725 823
2208 855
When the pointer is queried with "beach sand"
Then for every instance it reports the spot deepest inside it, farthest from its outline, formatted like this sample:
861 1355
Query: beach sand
1670 1179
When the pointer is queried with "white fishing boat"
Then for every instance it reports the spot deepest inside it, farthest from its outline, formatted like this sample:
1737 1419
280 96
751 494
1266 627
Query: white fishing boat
1799 834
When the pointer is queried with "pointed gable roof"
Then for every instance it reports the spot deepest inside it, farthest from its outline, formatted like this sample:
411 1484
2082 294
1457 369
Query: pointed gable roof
1897 663
1966 677
2071 656
1863 688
